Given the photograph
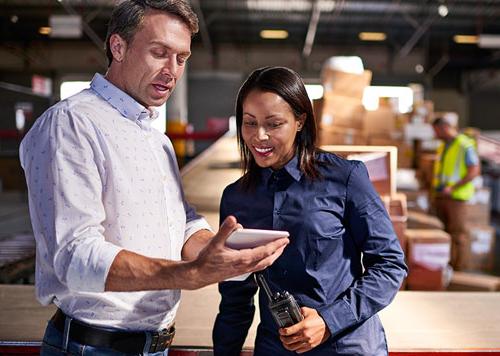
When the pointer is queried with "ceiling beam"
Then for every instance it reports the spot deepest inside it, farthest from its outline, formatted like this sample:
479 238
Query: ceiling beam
311 30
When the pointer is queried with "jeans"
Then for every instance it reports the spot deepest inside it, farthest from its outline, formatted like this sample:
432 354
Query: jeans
53 346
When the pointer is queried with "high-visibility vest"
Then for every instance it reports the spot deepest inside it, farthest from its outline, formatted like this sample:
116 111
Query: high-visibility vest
451 168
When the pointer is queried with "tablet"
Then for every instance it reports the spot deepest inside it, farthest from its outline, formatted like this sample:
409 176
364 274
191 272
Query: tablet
249 238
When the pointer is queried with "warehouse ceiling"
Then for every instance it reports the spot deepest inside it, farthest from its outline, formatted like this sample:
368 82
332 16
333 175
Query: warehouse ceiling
407 25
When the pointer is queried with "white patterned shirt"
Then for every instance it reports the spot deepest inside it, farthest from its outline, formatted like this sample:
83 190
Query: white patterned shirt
101 180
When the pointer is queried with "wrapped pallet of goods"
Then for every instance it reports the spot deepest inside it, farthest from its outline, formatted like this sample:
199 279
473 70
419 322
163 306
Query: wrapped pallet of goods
428 259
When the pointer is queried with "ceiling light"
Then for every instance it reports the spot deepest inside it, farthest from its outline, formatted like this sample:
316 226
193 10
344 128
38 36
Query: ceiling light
419 68
465 39
44 30
289 5
372 36
274 34
14 19
443 10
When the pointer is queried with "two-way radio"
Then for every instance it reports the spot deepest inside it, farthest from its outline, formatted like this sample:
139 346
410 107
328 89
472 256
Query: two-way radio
283 306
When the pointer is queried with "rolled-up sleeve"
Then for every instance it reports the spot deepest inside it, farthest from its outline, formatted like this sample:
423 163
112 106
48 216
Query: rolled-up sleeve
61 163
383 260
194 221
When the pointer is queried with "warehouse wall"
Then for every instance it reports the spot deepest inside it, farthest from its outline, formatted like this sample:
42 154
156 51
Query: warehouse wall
451 100
483 112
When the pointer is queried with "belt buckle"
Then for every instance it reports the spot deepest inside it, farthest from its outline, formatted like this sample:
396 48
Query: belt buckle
162 340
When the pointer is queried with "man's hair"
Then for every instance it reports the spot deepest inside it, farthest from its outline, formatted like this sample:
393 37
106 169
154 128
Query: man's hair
127 18
440 121
289 86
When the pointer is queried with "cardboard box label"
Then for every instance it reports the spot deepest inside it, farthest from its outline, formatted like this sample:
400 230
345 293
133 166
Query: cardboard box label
481 243
434 256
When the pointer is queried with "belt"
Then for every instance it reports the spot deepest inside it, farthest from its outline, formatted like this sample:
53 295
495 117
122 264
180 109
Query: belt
122 341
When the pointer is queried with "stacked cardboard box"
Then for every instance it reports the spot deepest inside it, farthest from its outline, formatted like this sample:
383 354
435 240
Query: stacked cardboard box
398 212
380 161
337 135
405 150
477 250
418 220
479 207
428 258
342 107
418 200
396 207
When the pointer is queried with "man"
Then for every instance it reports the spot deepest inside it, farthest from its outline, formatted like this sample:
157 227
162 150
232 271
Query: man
116 239
456 166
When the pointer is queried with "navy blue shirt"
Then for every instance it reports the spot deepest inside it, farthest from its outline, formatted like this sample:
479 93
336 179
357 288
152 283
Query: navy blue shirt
344 259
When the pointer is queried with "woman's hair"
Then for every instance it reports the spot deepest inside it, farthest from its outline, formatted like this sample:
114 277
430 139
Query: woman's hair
129 15
289 86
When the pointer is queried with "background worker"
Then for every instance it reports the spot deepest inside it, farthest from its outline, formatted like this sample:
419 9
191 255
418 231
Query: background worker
455 168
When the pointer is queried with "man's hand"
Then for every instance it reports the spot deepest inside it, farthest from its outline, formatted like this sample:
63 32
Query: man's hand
447 191
217 262
307 334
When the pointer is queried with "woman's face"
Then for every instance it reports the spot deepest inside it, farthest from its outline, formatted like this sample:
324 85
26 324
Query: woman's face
269 128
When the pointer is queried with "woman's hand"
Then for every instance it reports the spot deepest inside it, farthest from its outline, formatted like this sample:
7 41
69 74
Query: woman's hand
306 335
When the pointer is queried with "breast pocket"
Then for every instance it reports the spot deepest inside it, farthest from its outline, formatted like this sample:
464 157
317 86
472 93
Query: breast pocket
325 231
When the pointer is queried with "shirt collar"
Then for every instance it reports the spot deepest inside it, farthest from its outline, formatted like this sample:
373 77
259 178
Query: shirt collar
121 101
291 168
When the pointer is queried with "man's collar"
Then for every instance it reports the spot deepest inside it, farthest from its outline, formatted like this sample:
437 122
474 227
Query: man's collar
121 101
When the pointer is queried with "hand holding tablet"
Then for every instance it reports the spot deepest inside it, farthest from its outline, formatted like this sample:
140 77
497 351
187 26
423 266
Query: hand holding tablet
249 238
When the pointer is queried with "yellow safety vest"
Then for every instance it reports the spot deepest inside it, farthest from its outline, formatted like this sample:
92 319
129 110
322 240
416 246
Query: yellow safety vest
451 168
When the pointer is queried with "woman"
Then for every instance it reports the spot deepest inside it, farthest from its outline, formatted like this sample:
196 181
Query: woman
344 262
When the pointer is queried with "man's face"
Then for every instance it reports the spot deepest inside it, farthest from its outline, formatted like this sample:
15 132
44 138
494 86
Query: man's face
440 132
155 58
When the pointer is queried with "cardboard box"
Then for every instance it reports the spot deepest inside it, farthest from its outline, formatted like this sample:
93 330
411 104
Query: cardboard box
380 121
396 207
479 207
333 135
405 150
474 282
475 249
346 84
428 258
342 111
417 200
418 220
381 162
